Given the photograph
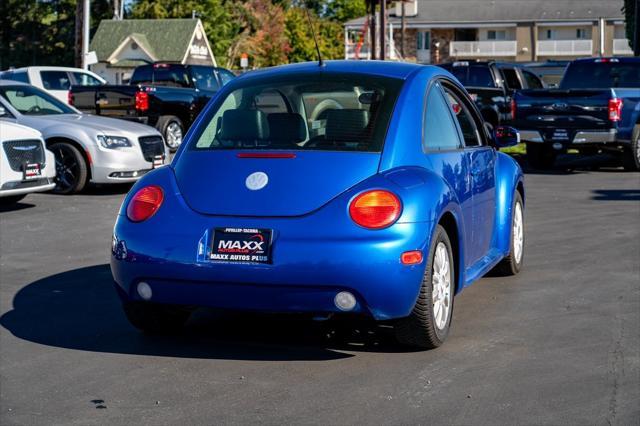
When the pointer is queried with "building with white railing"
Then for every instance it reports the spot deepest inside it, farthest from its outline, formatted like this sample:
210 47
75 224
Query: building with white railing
534 30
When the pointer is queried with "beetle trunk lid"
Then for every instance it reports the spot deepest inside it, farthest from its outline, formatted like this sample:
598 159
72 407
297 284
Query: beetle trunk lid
291 183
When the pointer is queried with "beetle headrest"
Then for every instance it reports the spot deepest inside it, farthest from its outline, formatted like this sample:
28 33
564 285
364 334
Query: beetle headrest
286 127
346 124
244 125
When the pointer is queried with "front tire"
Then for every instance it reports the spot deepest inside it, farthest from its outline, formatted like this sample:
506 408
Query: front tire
512 263
172 130
71 168
428 324
540 157
632 155
154 318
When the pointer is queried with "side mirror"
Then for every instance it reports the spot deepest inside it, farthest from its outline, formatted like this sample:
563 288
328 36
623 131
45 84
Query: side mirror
505 136
3 112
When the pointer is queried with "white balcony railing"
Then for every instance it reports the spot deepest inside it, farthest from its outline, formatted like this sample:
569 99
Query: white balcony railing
462 49
351 51
621 47
564 47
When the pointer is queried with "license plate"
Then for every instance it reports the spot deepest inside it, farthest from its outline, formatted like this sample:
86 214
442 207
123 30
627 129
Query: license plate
158 161
560 135
241 245
31 171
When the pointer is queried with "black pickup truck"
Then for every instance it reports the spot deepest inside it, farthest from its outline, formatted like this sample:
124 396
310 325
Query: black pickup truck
166 96
595 108
492 84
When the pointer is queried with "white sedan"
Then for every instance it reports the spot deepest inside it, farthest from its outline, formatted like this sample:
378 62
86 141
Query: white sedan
87 148
25 164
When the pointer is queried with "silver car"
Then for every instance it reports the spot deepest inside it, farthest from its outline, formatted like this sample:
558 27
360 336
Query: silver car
87 148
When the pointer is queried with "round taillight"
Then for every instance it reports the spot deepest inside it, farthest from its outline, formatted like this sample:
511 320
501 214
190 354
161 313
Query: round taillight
375 209
145 203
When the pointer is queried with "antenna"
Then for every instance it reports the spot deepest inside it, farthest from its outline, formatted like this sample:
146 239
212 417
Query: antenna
315 40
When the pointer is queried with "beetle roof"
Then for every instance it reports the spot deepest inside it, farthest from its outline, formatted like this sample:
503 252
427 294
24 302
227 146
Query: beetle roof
400 70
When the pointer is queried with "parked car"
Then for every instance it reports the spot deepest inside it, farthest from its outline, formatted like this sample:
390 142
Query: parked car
55 80
387 208
26 166
166 96
550 72
596 108
87 148
491 85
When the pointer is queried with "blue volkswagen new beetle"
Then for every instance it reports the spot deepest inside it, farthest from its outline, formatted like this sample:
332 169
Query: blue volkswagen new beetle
371 188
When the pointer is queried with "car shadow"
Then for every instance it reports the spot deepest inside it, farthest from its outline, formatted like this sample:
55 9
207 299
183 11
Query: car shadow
79 309
15 207
616 194
111 189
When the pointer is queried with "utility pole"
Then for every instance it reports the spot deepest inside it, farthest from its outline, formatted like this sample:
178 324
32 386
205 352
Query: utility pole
636 32
85 34
403 27
383 29
77 51
373 28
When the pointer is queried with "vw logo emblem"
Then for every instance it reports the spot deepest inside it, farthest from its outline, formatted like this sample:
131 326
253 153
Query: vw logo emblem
560 106
256 181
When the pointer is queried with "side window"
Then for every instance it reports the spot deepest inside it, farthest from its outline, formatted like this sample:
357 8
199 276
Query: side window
439 132
226 76
511 77
464 116
20 76
533 82
85 79
55 80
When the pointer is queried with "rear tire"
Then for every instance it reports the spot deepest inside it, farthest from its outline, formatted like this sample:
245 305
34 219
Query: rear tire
71 168
172 130
631 159
428 324
540 157
512 263
154 318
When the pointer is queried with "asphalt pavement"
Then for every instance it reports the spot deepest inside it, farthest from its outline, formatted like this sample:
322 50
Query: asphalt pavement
557 344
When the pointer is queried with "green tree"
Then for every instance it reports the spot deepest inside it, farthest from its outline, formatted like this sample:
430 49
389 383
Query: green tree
41 32
345 10
629 10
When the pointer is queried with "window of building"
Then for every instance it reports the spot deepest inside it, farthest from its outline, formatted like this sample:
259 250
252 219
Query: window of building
496 35
423 40
581 33
551 34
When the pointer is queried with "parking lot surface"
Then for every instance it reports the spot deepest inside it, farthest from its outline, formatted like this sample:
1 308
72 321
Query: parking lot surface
559 343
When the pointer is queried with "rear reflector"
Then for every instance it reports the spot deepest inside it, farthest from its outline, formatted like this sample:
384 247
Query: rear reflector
413 257
145 203
615 109
70 98
375 209
266 155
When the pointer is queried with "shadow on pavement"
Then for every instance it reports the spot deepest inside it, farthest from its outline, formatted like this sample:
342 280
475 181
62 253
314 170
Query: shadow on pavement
79 309
616 194
15 207
112 189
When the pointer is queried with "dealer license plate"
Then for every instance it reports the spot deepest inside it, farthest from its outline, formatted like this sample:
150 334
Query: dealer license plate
241 245
560 135
31 171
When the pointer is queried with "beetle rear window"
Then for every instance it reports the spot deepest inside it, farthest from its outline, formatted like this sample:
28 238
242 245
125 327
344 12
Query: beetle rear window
320 111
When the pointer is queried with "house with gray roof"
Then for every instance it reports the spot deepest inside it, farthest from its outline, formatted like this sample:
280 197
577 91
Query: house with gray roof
122 45
510 30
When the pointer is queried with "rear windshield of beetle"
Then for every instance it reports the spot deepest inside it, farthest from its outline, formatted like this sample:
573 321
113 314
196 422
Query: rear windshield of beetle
319 111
